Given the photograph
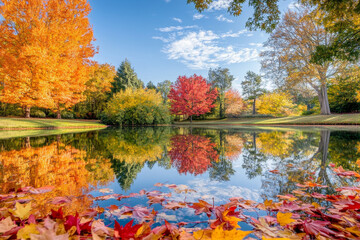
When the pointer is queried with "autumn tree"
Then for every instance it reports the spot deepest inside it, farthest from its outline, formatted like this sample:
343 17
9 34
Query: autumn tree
192 154
97 91
234 103
191 96
164 89
276 104
125 78
46 46
221 79
290 48
252 87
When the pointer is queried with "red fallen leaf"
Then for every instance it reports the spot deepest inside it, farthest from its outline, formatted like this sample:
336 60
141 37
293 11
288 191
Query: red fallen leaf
353 206
91 213
174 205
315 228
317 195
289 206
202 207
57 214
40 190
275 171
32 219
113 207
4 197
73 221
332 165
126 232
12 232
158 184
167 230
171 186
110 196
142 192
140 213
60 200
86 227
271 220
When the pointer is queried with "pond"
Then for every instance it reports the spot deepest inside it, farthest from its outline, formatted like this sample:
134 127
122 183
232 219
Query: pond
218 163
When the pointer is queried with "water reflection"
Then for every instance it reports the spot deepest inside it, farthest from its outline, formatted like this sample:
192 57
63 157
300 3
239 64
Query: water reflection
79 163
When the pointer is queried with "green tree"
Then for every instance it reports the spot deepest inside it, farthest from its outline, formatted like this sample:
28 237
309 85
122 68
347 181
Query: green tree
343 92
221 79
125 78
252 87
150 85
164 89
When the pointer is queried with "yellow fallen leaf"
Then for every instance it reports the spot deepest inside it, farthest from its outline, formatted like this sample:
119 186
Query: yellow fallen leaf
6 225
268 203
315 204
220 234
284 218
22 210
25 232
355 230
202 234
233 221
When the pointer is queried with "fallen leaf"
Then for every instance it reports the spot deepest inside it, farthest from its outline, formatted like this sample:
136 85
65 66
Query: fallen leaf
6 225
284 218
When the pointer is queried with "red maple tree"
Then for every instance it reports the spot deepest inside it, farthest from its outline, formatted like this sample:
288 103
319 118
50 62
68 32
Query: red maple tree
192 153
191 96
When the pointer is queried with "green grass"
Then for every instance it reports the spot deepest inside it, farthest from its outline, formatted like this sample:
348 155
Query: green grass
4 134
36 123
335 119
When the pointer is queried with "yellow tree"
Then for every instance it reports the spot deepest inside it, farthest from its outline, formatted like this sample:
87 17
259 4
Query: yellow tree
46 46
289 56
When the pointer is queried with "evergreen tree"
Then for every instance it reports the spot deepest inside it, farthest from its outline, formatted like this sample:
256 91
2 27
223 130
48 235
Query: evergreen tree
150 85
164 89
221 79
252 87
125 78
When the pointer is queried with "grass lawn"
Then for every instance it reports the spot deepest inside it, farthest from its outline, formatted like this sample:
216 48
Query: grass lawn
36 123
334 119
4 134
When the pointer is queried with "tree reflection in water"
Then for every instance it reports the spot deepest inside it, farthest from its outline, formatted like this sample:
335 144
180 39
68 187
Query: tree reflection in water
79 163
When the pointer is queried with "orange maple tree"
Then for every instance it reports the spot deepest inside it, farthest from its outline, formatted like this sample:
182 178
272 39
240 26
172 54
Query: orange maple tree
46 46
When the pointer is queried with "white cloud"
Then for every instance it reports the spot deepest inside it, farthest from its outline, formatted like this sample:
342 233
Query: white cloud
175 28
220 4
294 5
203 50
177 20
234 34
221 18
209 190
256 44
198 16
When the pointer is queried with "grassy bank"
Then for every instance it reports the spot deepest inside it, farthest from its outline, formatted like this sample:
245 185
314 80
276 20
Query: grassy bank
335 119
36 123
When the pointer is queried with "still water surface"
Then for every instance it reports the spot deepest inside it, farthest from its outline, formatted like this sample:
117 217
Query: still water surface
217 163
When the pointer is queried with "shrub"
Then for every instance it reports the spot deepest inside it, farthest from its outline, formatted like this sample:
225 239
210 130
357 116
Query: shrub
37 114
136 107
67 115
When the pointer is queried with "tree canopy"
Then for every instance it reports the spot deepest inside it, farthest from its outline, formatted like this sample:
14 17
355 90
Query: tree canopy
221 79
126 77
252 87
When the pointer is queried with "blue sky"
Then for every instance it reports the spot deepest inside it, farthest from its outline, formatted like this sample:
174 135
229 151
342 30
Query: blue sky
164 39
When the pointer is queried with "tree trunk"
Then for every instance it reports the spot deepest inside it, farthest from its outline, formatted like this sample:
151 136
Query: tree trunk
324 148
254 109
27 111
27 142
191 119
324 101
58 113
